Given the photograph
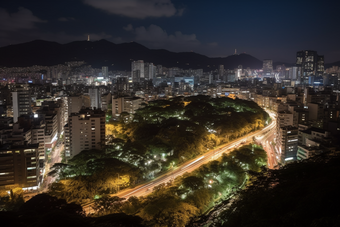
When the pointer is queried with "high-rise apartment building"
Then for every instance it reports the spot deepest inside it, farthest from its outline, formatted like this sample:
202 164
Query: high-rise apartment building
21 99
75 103
137 68
105 71
286 143
19 165
122 84
125 104
149 71
85 131
95 97
220 72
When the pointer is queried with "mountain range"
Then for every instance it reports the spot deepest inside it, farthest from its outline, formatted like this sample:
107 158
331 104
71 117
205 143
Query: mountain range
116 56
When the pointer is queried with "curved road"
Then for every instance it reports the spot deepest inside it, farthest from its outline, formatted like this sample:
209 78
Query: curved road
189 166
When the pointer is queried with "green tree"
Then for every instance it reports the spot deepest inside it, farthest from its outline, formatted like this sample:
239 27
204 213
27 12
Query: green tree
193 183
168 211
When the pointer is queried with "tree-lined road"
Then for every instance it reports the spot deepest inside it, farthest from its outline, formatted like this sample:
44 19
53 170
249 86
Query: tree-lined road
191 165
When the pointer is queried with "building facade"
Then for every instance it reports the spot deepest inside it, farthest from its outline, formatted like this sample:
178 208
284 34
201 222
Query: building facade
85 131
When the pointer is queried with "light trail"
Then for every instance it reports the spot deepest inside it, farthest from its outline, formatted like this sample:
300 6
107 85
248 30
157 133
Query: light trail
193 162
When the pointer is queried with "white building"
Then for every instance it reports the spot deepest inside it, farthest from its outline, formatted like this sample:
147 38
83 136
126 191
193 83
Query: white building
137 66
95 98
125 104
85 131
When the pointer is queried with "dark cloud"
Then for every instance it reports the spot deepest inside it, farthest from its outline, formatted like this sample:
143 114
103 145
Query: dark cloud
64 19
21 20
137 8
128 27
155 37
213 44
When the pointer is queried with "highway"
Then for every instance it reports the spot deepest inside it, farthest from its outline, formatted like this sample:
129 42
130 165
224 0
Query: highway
191 165
266 141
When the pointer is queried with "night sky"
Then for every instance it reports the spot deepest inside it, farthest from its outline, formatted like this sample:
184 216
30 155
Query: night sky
264 29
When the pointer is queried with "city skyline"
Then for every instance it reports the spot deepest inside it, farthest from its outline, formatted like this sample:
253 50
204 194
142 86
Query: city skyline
262 29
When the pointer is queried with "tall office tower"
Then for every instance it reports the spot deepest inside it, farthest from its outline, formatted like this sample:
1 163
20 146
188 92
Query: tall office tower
85 131
311 64
137 66
95 97
105 71
21 99
221 72
286 143
267 67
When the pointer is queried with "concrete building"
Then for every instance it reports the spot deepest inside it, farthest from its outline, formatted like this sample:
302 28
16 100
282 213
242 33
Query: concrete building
75 103
95 98
125 104
19 165
267 67
284 118
105 71
85 131
21 100
286 143
137 69
105 101
305 152
311 64
149 71
309 136
220 72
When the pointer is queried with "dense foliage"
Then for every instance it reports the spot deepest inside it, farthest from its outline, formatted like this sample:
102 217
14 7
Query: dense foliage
44 210
175 203
299 194
159 136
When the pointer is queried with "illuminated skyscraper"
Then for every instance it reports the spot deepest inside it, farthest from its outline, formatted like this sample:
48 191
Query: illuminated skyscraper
311 64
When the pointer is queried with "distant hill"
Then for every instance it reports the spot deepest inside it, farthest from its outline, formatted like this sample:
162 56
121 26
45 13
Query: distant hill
116 56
